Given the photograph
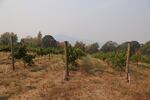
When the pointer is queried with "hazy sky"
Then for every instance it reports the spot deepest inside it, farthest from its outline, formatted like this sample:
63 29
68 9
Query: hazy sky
97 20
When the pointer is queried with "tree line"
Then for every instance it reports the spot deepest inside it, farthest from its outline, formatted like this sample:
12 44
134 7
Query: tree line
49 41
44 45
40 41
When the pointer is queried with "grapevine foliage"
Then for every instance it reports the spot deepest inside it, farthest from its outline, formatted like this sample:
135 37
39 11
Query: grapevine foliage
145 59
74 54
4 48
119 61
21 53
46 51
136 57
116 59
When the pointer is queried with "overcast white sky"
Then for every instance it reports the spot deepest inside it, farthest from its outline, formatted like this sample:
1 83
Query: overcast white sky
97 20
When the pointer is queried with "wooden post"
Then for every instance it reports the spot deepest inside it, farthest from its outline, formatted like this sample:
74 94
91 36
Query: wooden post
38 57
49 54
66 62
127 62
12 51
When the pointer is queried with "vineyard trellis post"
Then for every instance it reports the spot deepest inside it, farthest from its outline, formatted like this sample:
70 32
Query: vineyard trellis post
49 56
127 62
12 51
66 61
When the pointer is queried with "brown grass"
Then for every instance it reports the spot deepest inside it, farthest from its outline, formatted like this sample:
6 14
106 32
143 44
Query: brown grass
93 81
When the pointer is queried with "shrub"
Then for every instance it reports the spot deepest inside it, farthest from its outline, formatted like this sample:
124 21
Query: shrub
75 54
21 53
118 60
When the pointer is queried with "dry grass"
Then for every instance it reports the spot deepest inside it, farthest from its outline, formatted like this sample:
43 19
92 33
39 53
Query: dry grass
93 81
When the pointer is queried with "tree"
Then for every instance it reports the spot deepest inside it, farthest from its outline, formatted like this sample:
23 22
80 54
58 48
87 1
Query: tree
135 46
80 45
39 38
145 49
93 48
5 38
26 40
31 41
109 46
48 41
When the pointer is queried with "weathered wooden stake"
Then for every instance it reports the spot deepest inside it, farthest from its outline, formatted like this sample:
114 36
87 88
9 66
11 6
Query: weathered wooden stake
49 56
66 62
12 51
127 62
